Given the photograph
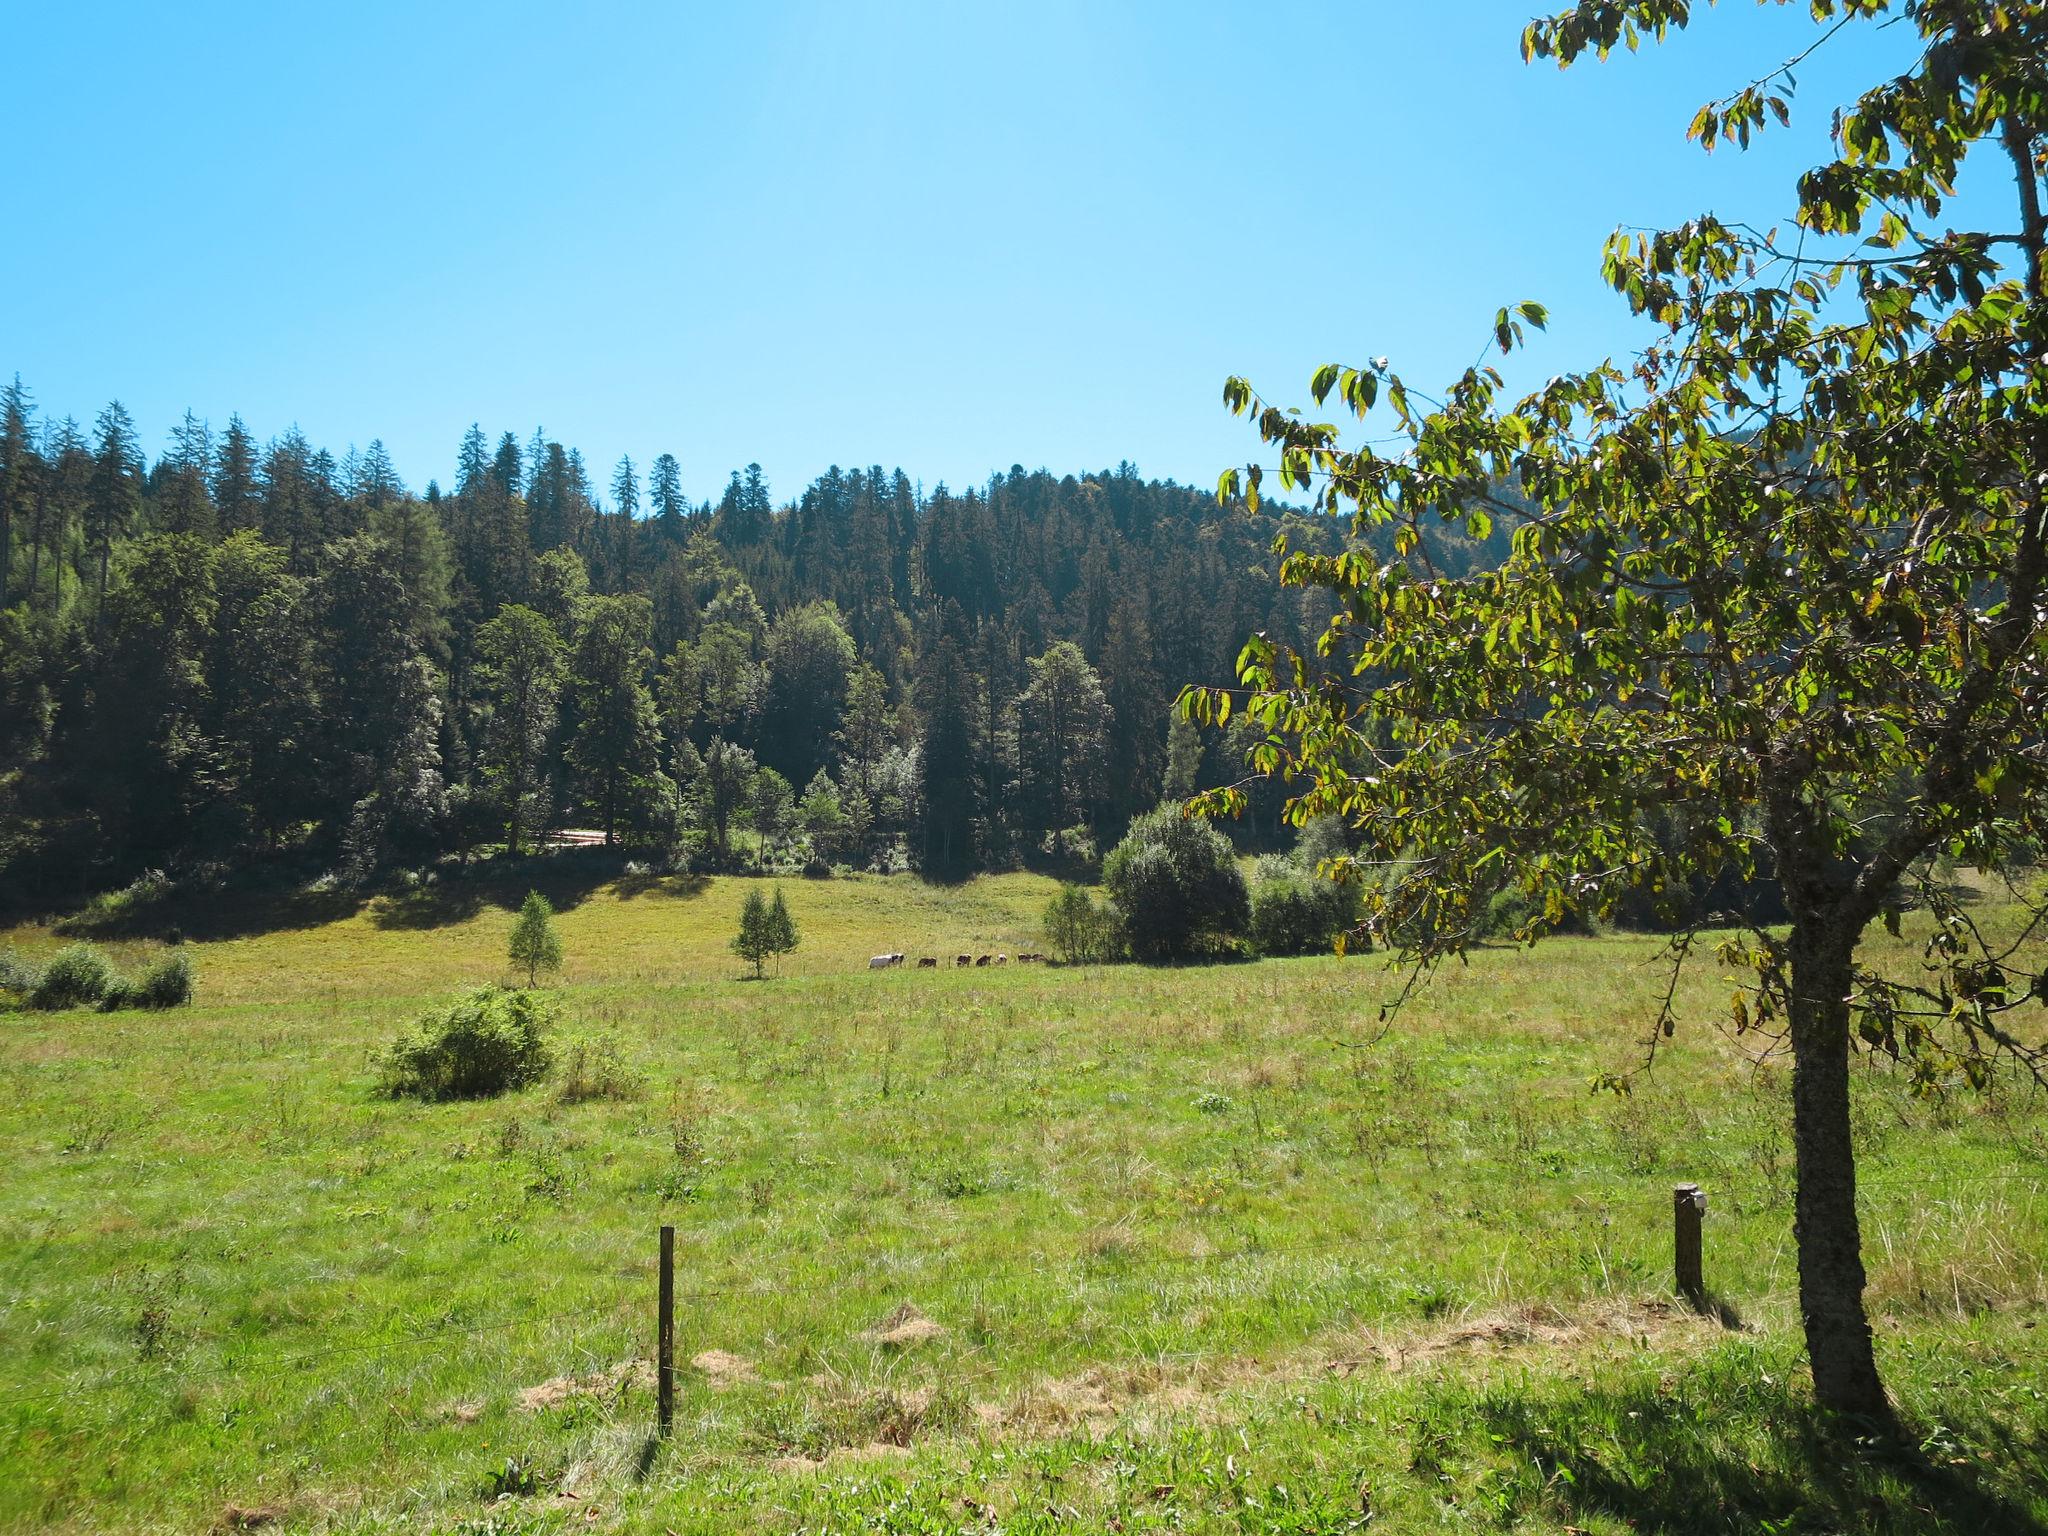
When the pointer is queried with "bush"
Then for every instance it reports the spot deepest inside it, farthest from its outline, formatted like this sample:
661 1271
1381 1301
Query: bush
490 1042
1177 886
1295 914
77 976
166 984
1080 929
16 974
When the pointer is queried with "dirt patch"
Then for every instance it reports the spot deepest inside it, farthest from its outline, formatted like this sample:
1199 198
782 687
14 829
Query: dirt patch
1519 1328
466 1412
1103 1395
557 1390
904 1327
248 1517
723 1367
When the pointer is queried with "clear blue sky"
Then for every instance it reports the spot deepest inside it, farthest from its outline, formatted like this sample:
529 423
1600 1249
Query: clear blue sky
941 235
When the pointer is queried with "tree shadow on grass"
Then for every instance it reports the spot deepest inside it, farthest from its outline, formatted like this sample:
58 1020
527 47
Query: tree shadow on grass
211 916
1636 1459
566 879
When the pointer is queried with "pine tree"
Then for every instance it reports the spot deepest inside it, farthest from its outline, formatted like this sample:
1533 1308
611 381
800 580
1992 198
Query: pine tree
625 488
184 503
236 496
755 941
535 946
781 929
946 764
665 498
615 751
19 468
115 498
1065 724
420 559
520 668
472 461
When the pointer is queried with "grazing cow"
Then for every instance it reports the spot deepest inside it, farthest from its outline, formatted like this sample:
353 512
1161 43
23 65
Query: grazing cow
1028 956
963 960
1002 959
883 962
927 964
981 959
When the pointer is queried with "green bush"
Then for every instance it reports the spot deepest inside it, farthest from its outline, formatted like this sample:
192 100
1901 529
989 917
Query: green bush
1080 929
488 1043
78 975
16 974
1300 914
1177 887
166 984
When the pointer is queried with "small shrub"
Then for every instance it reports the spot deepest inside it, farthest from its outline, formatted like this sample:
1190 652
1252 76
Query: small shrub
595 1069
16 974
166 984
1300 914
78 975
488 1043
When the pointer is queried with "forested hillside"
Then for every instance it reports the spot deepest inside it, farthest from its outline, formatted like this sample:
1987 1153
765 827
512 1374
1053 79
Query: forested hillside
247 649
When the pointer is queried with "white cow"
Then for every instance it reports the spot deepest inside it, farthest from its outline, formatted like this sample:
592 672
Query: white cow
883 962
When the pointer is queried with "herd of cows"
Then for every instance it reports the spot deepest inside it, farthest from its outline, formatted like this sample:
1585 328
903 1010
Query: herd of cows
930 962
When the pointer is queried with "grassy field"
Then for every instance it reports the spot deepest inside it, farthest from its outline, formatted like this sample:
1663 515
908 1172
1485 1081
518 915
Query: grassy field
1011 1249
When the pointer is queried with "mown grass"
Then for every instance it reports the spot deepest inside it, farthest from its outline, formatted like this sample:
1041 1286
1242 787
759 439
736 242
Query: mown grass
1016 1248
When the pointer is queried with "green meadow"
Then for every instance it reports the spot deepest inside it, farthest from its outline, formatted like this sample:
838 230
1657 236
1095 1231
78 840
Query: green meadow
1017 1248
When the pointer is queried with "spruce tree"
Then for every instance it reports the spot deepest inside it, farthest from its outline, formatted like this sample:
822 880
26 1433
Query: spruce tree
17 474
755 941
665 498
782 934
115 497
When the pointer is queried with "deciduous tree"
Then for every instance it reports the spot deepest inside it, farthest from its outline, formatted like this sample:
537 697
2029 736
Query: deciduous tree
1784 575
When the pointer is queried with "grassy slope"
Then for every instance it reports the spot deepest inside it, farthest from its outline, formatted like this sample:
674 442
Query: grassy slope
1198 1266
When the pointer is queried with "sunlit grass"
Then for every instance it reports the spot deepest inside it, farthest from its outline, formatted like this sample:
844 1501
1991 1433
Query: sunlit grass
1058 1237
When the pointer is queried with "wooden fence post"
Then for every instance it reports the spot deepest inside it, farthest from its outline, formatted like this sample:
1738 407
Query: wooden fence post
665 1338
1688 1205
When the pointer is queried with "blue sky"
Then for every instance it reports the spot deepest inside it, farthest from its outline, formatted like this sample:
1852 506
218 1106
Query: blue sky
947 236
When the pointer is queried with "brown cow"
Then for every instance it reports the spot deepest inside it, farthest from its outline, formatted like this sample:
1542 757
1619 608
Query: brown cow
927 964
963 959
981 960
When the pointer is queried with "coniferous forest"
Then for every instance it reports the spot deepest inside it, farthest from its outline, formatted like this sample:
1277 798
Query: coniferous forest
242 651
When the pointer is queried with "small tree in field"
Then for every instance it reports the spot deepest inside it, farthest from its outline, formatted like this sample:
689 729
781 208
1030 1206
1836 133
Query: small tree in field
1779 588
755 941
536 947
782 935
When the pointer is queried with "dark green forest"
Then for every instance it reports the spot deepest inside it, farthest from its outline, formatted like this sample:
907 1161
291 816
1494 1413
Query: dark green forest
245 651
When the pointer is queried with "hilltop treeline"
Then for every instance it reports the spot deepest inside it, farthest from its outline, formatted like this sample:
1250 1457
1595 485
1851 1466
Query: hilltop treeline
242 648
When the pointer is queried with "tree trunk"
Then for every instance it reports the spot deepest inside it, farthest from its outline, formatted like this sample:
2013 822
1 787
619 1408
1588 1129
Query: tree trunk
1830 1243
